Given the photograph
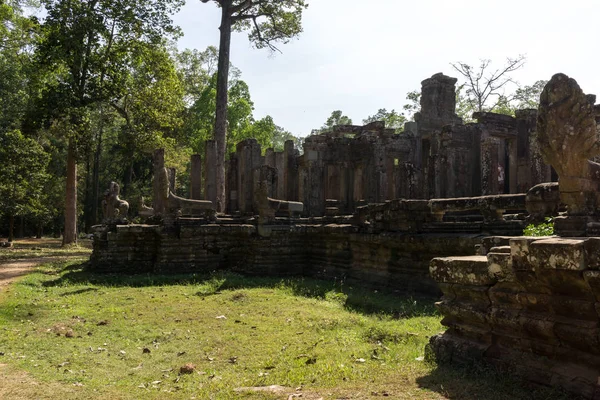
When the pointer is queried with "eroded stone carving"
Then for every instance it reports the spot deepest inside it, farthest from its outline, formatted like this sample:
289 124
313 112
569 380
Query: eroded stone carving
113 206
269 208
543 201
568 138
144 210
166 202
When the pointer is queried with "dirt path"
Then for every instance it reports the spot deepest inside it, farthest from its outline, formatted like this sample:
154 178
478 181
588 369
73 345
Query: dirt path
13 269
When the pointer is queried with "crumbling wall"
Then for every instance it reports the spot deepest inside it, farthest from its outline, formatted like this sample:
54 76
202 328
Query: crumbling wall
530 305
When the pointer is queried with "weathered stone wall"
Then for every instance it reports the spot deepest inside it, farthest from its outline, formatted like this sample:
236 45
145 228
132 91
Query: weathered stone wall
530 305
328 251
437 156
387 244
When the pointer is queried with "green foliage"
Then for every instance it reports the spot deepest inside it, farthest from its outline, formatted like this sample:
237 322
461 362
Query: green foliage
196 70
267 21
542 229
337 117
414 104
200 118
529 96
152 101
17 34
523 97
392 119
23 174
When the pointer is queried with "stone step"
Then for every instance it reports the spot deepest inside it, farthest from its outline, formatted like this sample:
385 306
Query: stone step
500 249
466 270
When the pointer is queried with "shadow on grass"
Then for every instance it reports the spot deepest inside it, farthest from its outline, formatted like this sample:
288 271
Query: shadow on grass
480 381
352 297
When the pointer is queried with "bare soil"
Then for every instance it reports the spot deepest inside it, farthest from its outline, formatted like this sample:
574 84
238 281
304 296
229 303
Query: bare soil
11 270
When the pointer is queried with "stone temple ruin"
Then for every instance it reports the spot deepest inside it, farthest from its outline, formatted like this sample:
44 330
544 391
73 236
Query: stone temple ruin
437 209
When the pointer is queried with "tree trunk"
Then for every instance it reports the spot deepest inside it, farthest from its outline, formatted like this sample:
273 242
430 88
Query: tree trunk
21 233
11 228
70 235
220 135
96 169
87 207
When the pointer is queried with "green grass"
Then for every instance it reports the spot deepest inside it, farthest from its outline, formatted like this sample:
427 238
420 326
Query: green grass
41 248
113 336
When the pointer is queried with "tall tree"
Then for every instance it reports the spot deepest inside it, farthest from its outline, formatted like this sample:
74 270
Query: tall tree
88 42
268 22
151 105
485 86
200 117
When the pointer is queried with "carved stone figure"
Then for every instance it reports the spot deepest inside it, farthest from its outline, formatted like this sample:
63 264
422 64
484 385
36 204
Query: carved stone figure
542 201
113 206
144 210
268 208
166 202
568 138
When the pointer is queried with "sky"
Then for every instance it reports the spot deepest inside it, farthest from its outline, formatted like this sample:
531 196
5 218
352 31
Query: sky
359 56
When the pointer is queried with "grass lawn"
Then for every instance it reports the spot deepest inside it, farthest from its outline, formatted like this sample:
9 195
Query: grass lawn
65 333
44 247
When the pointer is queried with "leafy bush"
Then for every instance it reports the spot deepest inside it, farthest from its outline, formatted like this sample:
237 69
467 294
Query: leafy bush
543 229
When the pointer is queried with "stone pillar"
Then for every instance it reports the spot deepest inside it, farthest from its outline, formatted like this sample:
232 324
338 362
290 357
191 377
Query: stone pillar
489 166
172 179
540 171
280 165
438 103
358 192
312 176
290 180
210 173
344 188
232 184
196 177
513 166
332 190
249 158
270 157
267 175
160 187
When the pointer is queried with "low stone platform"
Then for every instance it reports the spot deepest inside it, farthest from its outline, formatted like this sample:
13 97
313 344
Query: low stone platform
531 307
344 252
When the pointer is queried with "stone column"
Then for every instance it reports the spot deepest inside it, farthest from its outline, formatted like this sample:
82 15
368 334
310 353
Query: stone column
358 192
513 167
290 179
196 177
270 157
210 173
172 179
249 158
540 171
489 166
332 190
313 179
280 165
267 175
232 184
160 187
